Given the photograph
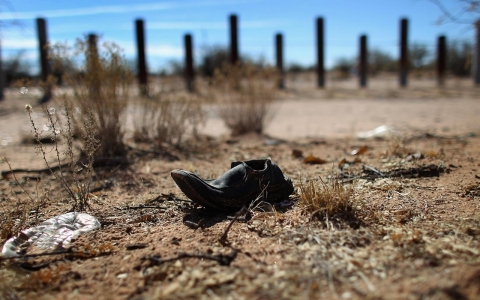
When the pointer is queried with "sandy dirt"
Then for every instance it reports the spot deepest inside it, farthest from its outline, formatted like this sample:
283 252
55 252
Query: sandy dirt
410 238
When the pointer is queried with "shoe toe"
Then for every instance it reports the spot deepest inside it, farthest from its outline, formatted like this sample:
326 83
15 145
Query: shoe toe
191 185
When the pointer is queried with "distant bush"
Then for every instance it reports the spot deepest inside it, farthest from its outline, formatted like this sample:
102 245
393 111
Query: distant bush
16 68
459 57
420 57
380 61
344 66
295 68
213 58
298 68
176 67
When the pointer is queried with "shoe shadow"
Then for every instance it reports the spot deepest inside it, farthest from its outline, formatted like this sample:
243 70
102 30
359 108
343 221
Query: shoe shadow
205 218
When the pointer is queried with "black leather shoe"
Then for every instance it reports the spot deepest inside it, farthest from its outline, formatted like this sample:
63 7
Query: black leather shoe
243 183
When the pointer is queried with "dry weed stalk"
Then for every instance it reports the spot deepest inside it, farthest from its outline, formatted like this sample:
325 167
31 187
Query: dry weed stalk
245 93
325 199
57 126
14 218
167 119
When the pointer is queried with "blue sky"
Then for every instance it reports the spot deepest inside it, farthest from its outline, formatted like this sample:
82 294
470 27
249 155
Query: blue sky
259 20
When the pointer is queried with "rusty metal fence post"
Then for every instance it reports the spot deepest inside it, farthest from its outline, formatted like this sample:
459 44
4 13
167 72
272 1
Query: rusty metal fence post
320 54
441 60
233 39
189 72
363 62
92 51
2 77
93 66
43 49
142 64
476 66
403 62
279 59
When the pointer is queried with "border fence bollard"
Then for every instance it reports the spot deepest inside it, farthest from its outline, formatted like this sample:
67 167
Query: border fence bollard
403 62
476 66
363 62
43 49
233 39
2 84
93 64
189 71
320 54
441 59
142 64
279 59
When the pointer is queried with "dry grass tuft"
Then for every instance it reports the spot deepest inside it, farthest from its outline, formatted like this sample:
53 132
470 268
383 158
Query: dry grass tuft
396 146
245 93
167 119
326 200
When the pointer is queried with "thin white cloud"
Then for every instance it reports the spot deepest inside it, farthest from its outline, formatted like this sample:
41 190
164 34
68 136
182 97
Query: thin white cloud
159 50
29 44
260 24
110 9
116 9
173 26
208 25
186 25
129 49
27 55
164 51
19 43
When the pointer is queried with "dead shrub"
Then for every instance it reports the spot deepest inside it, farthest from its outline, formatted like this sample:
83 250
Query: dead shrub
326 200
101 87
167 118
245 94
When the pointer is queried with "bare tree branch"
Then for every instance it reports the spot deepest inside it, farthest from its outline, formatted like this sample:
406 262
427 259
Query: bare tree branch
469 6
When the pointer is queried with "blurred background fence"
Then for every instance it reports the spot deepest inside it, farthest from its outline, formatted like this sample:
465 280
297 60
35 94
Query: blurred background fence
437 58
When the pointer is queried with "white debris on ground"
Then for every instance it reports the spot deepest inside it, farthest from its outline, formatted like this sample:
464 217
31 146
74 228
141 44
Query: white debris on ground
51 234
380 132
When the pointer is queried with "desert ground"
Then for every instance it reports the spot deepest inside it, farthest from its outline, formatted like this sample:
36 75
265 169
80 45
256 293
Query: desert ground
412 231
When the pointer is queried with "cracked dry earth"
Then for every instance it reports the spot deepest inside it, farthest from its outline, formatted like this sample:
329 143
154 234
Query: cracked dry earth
416 238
